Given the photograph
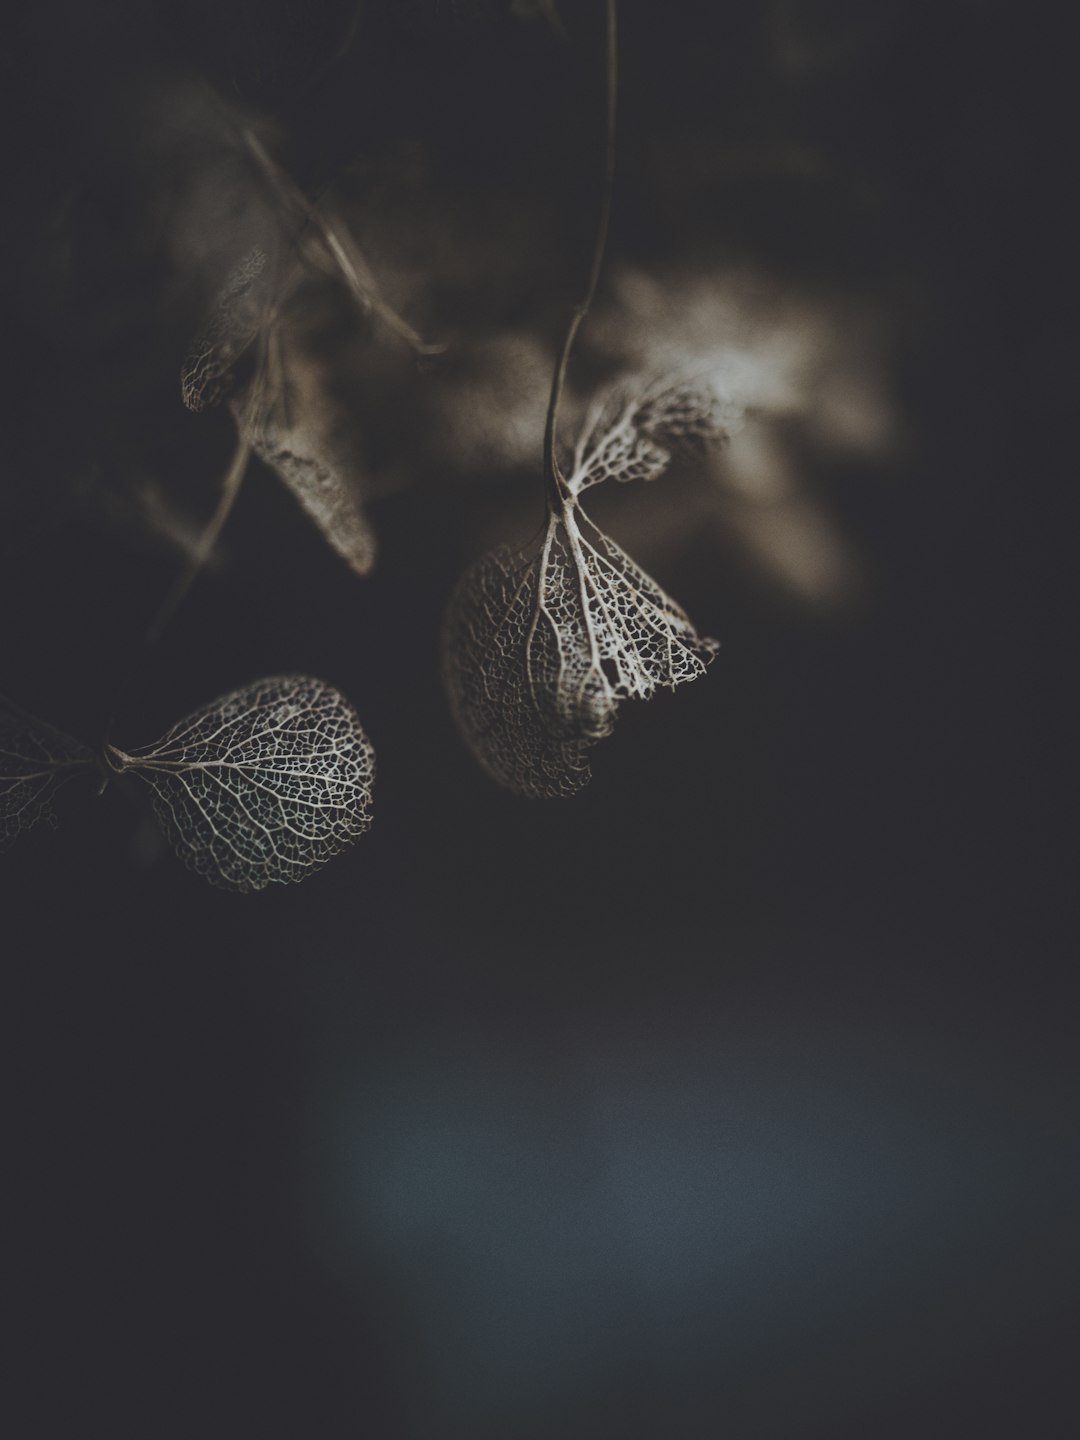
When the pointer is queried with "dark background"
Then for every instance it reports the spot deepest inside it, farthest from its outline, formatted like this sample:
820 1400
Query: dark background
735 1096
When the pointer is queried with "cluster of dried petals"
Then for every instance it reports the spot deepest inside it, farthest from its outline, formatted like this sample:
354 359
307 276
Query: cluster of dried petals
542 644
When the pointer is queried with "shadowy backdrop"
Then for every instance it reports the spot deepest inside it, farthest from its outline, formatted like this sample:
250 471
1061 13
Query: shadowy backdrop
736 1096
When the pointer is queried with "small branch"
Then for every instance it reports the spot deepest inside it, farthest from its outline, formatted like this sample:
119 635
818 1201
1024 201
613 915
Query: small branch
290 194
342 249
553 477
367 296
230 489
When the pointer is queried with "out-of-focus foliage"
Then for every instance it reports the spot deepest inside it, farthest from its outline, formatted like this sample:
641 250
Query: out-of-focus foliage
282 411
808 380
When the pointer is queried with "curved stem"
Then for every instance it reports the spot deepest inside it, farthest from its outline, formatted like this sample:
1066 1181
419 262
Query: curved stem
553 478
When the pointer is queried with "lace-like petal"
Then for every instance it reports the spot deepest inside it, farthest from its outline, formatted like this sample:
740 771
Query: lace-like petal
541 645
264 785
632 434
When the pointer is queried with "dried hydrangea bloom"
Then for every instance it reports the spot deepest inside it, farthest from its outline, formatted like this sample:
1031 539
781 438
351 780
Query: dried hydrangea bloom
35 758
542 644
262 786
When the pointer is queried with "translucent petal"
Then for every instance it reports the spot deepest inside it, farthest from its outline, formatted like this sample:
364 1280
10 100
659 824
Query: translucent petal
263 785
235 319
632 433
541 645
323 491
34 759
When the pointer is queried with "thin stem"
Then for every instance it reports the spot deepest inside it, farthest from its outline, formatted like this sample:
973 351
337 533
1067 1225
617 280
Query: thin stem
230 489
367 295
117 765
553 478
343 252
